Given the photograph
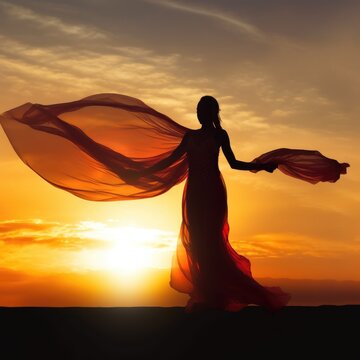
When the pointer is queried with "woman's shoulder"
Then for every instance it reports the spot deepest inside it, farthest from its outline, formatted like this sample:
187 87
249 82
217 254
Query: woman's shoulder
200 131
221 134
215 131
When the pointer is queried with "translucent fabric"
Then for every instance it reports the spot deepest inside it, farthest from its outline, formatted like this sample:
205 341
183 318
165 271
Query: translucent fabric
307 165
91 147
88 147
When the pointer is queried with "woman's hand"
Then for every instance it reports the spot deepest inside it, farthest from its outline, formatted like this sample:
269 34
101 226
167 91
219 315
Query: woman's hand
270 167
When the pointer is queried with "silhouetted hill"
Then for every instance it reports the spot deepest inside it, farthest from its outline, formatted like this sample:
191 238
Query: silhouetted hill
169 333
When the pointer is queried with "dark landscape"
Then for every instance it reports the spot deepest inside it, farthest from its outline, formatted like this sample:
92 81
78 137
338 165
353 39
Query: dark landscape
170 333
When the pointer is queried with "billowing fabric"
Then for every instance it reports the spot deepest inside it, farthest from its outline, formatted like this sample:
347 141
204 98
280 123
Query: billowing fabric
90 148
307 165
87 147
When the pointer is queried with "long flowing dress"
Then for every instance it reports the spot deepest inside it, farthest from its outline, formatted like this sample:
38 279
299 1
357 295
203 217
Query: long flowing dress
206 266
90 146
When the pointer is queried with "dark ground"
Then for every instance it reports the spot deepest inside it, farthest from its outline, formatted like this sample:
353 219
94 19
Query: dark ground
169 333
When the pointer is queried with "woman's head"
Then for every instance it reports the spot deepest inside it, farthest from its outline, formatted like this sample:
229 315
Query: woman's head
208 111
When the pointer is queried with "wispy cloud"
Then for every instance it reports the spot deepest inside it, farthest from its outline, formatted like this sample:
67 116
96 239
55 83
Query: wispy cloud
216 14
84 70
134 71
287 245
46 233
46 21
40 245
79 235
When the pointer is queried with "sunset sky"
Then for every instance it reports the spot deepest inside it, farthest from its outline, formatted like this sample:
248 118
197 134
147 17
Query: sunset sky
286 74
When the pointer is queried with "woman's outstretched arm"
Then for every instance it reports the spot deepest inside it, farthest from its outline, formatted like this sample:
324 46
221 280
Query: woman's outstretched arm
175 155
131 176
241 165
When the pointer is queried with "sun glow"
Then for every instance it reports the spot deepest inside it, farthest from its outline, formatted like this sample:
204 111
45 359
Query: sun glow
127 251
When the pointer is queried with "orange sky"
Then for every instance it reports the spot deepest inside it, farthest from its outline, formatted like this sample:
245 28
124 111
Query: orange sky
279 84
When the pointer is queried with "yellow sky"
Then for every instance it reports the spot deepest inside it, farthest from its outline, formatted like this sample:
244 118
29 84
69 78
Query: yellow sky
277 87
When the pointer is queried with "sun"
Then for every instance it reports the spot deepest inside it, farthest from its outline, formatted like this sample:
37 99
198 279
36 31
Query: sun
126 251
128 254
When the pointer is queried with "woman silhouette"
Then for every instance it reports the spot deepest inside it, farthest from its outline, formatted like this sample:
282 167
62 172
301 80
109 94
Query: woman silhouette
109 147
206 266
